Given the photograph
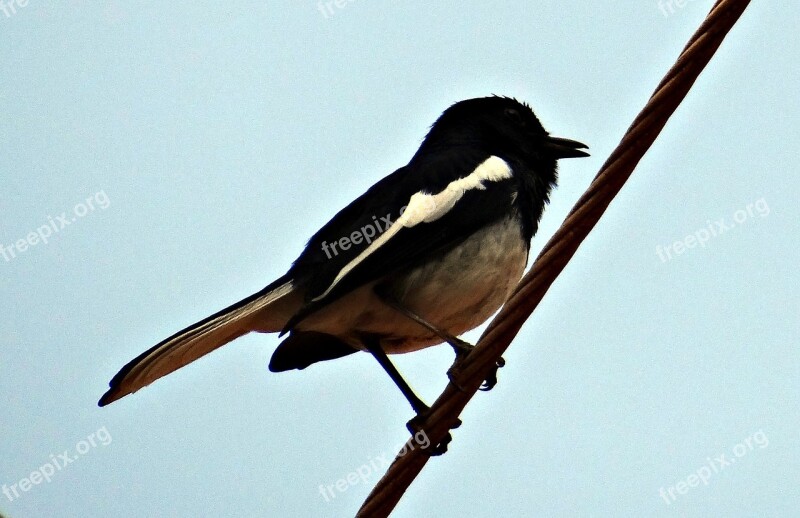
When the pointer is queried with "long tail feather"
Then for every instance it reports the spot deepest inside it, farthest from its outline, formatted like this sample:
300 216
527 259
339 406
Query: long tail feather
199 339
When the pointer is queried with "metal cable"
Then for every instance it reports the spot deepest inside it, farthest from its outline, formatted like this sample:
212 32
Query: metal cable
558 251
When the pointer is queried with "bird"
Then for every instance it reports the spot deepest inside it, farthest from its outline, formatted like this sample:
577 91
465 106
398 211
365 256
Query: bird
427 253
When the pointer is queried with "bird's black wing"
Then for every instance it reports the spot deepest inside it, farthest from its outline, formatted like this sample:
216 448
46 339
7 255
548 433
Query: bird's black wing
446 197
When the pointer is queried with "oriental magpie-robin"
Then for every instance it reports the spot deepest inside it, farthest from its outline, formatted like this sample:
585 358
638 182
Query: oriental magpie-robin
425 254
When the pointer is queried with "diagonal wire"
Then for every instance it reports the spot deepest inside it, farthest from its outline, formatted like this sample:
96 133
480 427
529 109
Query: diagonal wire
443 415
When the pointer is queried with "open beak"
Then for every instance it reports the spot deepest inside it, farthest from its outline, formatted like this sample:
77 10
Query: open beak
563 147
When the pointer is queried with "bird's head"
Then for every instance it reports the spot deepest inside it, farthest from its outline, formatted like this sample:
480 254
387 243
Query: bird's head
501 126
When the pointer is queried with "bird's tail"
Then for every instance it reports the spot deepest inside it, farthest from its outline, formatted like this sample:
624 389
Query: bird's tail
251 314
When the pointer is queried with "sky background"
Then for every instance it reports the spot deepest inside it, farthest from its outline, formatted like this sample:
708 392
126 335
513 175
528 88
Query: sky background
193 148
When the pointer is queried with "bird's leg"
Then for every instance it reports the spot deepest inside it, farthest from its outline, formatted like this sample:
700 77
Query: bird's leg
373 346
416 424
461 347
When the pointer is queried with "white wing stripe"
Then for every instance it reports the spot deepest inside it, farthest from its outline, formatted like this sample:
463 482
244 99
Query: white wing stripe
425 208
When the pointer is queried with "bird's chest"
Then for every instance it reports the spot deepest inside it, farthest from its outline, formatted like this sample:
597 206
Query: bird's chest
455 292
461 289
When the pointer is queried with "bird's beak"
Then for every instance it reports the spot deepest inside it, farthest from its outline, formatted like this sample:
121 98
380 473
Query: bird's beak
563 147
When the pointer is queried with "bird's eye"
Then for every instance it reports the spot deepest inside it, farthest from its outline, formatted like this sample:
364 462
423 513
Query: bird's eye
514 116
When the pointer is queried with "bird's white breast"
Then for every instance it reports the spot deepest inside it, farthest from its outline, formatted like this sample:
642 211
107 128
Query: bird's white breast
456 292
463 288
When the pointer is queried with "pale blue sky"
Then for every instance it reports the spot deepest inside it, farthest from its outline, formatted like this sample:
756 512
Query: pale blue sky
214 138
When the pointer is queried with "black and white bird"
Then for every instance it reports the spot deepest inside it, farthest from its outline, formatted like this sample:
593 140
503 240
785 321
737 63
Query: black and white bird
426 254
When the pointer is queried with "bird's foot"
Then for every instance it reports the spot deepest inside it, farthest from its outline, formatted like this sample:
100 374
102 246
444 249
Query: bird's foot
462 349
491 380
417 428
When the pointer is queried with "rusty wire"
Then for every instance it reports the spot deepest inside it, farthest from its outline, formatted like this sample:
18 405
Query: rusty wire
559 250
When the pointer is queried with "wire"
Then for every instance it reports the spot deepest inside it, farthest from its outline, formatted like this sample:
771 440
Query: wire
559 250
